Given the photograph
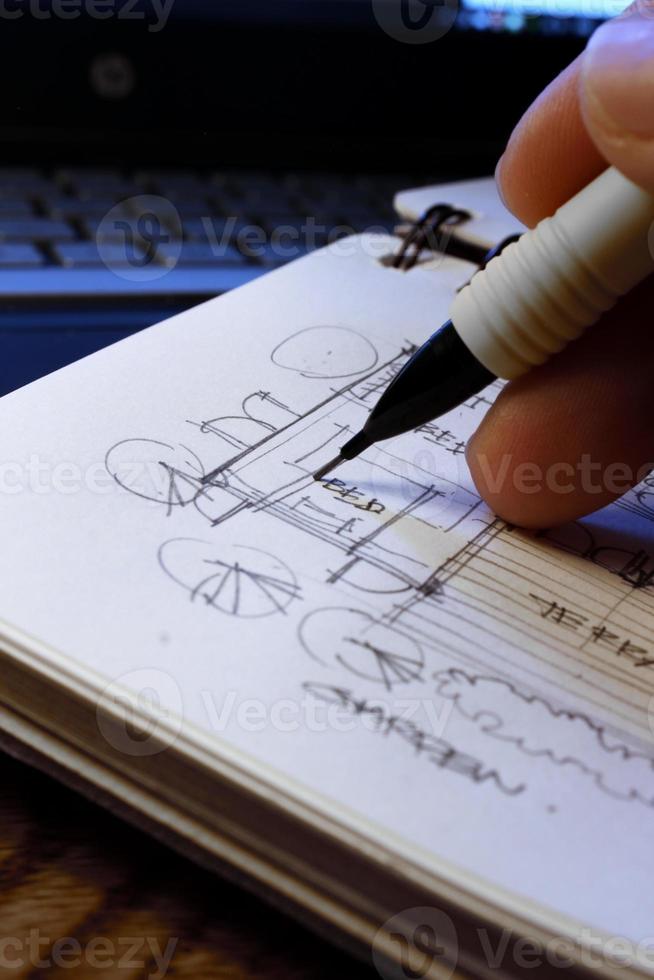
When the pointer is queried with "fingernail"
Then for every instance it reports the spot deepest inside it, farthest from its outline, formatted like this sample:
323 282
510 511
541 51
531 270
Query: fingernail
470 443
498 181
618 76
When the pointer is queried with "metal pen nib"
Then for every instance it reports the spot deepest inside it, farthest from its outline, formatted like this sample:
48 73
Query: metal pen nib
438 377
328 467
352 448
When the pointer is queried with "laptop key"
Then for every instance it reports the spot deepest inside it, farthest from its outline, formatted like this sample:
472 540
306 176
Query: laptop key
13 208
92 175
96 183
20 255
172 179
216 231
26 190
254 200
197 253
35 230
270 227
93 281
119 227
119 192
73 207
193 210
110 254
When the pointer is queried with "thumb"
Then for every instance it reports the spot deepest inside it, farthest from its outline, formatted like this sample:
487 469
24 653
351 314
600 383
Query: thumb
617 94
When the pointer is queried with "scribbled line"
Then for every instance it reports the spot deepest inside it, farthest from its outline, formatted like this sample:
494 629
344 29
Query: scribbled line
494 725
435 750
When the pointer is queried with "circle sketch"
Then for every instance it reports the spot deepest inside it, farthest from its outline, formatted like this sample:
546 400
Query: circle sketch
326 352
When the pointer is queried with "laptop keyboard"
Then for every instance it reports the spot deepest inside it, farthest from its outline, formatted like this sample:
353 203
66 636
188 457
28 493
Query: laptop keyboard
102 231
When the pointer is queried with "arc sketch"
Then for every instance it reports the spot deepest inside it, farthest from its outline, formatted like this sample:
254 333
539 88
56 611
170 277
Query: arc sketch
263 415
234 579
357 641
158 471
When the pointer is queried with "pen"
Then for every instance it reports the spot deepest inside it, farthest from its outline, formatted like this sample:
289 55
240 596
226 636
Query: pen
528 303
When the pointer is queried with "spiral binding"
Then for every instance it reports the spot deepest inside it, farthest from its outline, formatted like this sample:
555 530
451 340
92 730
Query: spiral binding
434 231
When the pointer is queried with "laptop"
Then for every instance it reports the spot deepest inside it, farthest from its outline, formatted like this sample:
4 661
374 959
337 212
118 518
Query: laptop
160 152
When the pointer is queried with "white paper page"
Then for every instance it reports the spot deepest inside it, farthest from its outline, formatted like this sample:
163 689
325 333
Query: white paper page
158 515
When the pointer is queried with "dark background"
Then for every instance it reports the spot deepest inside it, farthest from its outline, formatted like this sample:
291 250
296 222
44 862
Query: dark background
327 89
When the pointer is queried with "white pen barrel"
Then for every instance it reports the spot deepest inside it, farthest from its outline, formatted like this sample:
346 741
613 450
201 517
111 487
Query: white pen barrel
546 289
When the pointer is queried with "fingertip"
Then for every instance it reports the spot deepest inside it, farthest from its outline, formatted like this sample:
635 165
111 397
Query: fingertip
495 468
505 482
499 183
616 89
550 155
524 457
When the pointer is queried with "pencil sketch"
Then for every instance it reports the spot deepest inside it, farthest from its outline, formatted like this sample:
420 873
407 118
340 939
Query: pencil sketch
421 589
326 352
239 580
363 646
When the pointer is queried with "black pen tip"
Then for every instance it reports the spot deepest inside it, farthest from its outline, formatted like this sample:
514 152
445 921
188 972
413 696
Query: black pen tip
328 467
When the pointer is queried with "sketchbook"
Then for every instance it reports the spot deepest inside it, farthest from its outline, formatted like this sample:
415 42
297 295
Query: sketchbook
425 732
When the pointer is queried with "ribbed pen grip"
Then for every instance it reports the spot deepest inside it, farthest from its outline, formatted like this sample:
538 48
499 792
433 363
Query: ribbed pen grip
544 290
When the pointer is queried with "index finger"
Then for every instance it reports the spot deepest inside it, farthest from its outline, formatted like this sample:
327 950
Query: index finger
550 155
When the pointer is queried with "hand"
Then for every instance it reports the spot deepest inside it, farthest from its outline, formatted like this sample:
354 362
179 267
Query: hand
573 435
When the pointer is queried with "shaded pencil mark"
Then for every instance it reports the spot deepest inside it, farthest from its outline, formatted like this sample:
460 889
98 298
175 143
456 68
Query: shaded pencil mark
423 744
428 494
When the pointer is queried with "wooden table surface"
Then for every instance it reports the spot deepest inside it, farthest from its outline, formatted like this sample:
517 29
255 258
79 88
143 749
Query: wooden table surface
84 895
